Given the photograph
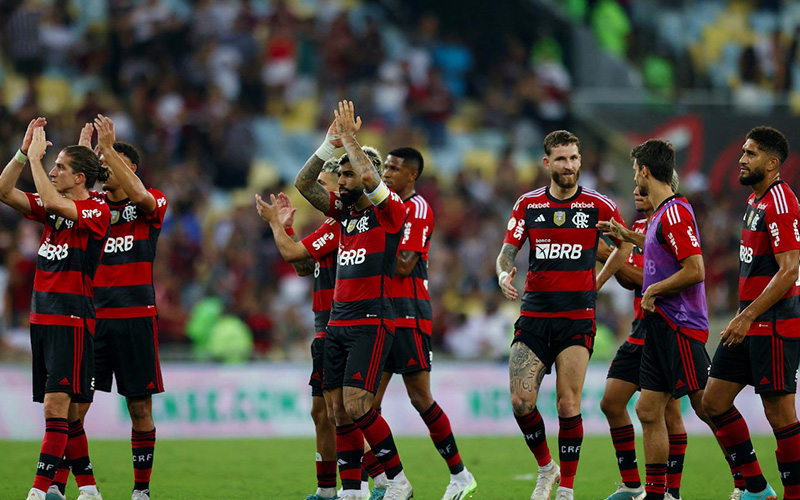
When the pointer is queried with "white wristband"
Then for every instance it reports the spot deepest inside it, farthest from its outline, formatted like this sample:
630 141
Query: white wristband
379 195
501 278
325 150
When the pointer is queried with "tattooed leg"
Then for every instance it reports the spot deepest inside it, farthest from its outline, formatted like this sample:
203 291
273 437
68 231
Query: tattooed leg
526 372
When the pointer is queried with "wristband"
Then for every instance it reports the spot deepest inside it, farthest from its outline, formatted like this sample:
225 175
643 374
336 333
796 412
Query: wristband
326 149
20 156
289 231
501 278
379 195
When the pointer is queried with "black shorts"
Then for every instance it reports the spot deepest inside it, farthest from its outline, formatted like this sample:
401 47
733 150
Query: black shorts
127 349
317 355
672 362
63 361
627 363
411 352
547 337
355 356
766 362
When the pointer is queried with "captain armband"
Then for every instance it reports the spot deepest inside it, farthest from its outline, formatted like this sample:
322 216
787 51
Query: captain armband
379 195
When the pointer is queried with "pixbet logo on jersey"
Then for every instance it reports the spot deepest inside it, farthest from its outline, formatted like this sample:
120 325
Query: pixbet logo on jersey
558 251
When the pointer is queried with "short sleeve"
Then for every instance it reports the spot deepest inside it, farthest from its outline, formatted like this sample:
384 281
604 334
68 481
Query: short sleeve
678 229
392 214
515 230
38 213
337 207
157 217
418 226
782 218
94 216
323 241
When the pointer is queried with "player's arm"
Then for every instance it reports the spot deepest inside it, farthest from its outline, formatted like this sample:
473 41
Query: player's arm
406 260
128 180
347 124
306 180
286 217
504 267
52 200
628 276
291 251
615 229
692 272
9 194
617 259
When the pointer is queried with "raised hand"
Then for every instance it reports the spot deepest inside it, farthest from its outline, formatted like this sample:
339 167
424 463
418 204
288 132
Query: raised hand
346 121
285 210
86 136
38 122
105 132
38 144
333 136
267 212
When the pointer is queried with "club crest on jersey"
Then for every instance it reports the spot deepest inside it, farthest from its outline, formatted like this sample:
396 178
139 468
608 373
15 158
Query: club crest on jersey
129 213
114 216
560 217
581 220
754 223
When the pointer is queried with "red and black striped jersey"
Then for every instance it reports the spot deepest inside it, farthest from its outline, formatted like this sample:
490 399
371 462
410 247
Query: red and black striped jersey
412 304
68 257
323 244
636 259
368 245
563 236
769 227
123 287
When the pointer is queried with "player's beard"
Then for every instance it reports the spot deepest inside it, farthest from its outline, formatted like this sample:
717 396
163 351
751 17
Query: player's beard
644 191
563 184
756 175
349 197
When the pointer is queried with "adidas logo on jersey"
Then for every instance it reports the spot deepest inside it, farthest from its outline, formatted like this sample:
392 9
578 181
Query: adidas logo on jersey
540 218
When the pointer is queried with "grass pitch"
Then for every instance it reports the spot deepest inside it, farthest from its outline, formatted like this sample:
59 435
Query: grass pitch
284 468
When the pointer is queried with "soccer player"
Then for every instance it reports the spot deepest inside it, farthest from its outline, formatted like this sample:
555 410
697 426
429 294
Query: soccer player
623 379
126 341
761 345
361 326
411 353
674 359
557 320
62 308
316 253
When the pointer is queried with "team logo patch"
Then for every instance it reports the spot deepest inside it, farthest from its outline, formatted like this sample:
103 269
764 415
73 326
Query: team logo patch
114 216
351 225
560 218
750 219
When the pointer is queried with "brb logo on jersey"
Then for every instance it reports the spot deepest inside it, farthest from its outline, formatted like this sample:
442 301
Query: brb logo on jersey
558 251
352 257
121 244
54 252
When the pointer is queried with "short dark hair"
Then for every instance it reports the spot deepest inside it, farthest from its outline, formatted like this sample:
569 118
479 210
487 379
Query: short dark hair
409 155
128 150
771 141
559 138
84 161
658 156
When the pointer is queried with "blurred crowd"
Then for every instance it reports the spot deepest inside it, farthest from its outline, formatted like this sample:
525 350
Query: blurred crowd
201 86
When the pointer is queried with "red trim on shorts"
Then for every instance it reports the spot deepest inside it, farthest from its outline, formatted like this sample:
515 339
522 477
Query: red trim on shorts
692 333
576 314
634 340
56 319
320 335
423 363
77 353
159 381
688 363
377 350
777 364
385 323
125 312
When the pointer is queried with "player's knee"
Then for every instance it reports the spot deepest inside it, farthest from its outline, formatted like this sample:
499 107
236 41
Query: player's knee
568 406
319 414
138 409
520 405
420 400
712 406
646 414
780 414
610 408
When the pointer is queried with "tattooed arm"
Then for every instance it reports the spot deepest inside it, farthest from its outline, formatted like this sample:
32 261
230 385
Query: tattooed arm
306 183
506 271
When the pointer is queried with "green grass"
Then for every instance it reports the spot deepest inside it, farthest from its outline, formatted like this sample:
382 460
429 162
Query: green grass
284 468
